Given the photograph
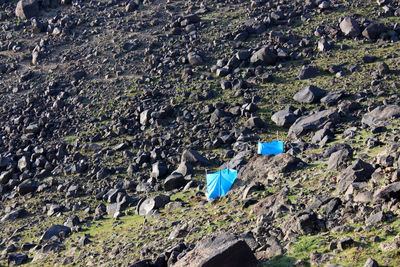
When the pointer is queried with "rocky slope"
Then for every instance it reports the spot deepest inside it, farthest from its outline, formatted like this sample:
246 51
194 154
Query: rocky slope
112 112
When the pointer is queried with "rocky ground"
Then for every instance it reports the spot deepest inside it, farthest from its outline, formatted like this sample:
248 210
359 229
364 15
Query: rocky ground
112 112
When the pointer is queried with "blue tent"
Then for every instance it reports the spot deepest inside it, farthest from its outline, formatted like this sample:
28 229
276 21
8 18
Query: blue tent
219 183
275 148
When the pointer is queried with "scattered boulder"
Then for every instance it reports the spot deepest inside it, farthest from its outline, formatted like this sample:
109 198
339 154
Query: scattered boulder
264 56
309 94
261 168
223 250
284 118
174 181
350 27
27 9
388 192
308 72
55 230
194 158
359 171
381 115
153 203
371 263
373 31
312 122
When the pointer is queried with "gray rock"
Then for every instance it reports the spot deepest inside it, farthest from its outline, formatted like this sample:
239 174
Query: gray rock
309 94
388 192
371 263
339 159
254 122
375 218
312 122
308 72
373 31
153 203
195 158
159 170
350 27
263 56
174 181
55 230
284 118
381 115
27 9
223 250
17 259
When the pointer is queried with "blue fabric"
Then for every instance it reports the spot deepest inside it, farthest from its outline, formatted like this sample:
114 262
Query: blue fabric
275 148
219 183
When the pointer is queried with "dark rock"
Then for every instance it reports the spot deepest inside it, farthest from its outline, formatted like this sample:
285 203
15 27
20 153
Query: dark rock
27 186
195 158
308 72
359 171
223 250
261 167
331 98
304 223
264 56
254 122
27 9
153 203
380 115
373 31
55 230
13 215
17 259
350 27
388 192
339 159
312 122
284 118
309 94
174 181
345 243
371 263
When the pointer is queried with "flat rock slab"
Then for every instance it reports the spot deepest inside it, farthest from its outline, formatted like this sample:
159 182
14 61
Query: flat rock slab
312 122
380 115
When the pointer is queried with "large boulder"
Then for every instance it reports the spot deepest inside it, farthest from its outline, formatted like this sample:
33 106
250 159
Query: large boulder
308 72
261 168
350 27
27 9
223 250
359 171
284 118
263 56
174 181
55 230
388 192
194 158
153 203
380 115
304 223
373 31
312 122
309 94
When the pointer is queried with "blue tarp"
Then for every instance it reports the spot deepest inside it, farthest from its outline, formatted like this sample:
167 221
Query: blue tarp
219 183
275 148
